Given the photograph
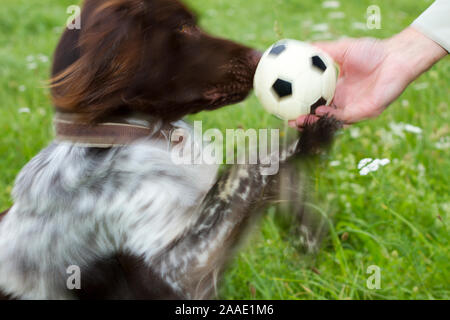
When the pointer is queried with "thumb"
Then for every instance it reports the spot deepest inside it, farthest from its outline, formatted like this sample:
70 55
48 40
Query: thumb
336 49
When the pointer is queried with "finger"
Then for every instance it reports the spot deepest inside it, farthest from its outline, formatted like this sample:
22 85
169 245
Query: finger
339 114
292 123
327 110
302 121
307 119
336 49
347 115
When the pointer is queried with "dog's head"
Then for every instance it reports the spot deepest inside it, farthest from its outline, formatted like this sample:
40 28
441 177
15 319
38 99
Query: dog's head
148 56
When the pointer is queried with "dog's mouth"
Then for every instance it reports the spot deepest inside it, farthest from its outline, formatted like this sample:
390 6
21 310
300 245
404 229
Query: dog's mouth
237 83
224 94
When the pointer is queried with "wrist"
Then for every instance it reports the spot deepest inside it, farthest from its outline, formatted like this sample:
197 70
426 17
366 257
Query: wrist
415 51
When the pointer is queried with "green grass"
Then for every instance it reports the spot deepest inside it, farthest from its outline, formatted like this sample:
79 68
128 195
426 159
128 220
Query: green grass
396 218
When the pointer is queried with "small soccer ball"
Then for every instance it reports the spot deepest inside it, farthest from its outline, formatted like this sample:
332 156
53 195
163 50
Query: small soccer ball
293 78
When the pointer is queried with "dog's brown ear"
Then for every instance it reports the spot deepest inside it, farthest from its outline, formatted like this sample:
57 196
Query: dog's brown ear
93 65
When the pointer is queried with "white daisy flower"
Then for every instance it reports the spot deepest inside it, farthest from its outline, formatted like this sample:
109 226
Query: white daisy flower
399 129
355 133
331 4
336 15
335 163
364 162
321 27
322 36
412 129
368 165
24 110
43 58
373 166
32 65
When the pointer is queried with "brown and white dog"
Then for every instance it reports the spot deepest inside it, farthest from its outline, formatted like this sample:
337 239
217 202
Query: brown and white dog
137 225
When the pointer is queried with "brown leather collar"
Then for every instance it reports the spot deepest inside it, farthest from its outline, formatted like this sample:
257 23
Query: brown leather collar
114 133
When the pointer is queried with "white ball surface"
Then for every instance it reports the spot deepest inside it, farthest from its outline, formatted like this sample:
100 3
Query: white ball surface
293 78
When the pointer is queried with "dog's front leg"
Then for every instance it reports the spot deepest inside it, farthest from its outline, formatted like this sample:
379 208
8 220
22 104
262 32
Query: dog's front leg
194 262
191 265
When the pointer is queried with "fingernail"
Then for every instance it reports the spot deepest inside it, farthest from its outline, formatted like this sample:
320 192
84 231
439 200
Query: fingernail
292 124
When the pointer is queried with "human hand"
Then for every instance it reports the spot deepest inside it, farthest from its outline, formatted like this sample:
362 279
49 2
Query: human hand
374 73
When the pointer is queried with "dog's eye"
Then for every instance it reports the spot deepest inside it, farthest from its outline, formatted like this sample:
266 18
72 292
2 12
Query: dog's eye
183 28
187 28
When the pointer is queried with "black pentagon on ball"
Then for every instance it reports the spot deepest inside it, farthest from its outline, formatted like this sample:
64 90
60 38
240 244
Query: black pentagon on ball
318 63
320 102
277 49
282 88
